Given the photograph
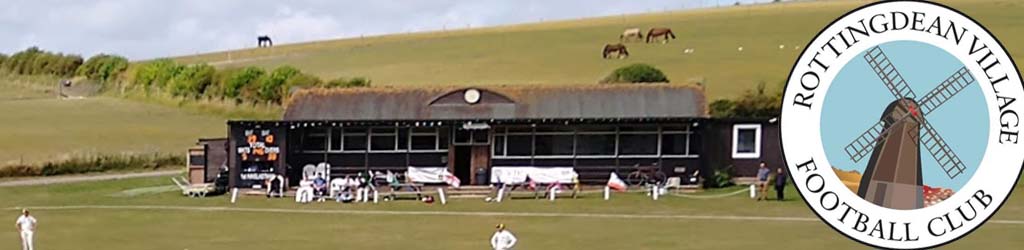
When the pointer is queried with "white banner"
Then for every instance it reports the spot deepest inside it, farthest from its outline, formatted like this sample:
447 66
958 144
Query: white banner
516 175
427 174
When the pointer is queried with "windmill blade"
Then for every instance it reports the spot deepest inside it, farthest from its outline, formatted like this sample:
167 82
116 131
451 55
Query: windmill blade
892 78
939 150
946 90
866 142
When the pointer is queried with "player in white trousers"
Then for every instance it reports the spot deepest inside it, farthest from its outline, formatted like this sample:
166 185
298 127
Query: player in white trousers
26 225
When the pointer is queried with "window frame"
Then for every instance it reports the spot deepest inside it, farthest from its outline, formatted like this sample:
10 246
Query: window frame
504 132
757 141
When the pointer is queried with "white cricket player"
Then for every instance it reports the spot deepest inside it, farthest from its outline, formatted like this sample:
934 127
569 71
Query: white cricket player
26 225
503 239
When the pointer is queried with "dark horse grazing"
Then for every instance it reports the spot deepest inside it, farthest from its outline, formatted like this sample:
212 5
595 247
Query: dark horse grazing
617 48
262 41
654 33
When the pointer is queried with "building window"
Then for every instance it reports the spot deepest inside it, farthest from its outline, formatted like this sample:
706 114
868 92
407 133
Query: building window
746 143
679 141
638 144
595 144
674 144
315 140
403 139
335 142
519 145
553 144
354 139
427 139
383 139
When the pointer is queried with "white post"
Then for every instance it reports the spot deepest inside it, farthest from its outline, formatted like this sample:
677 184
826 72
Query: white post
655 192
753 191
551 195
501 192
234 195
607 192
376 196
440 193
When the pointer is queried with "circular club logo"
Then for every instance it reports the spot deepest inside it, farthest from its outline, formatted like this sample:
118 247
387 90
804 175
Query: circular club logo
900 125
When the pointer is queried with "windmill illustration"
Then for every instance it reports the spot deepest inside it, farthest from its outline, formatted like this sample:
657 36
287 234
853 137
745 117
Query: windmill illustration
892 178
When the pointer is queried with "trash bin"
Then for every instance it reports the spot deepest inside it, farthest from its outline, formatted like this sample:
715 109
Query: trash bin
481 176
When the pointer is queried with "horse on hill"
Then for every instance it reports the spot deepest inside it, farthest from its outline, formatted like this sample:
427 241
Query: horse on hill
665 33
264 41
617 48
631 33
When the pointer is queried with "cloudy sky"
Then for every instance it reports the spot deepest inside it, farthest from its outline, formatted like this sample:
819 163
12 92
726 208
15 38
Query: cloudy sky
142 29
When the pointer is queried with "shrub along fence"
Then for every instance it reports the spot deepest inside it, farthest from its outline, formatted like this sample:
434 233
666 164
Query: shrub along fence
94 164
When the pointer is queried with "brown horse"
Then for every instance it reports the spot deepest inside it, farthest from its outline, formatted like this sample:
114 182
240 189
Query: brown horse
666 33
617 48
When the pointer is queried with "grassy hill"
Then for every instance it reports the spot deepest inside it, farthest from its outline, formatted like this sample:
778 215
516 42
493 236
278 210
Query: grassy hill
568 52
39 127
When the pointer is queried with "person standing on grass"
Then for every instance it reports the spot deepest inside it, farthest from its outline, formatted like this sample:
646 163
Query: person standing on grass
762 181
780 184
503 239
26 225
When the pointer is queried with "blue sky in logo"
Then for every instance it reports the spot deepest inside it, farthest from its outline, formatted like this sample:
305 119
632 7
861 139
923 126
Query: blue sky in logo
857 98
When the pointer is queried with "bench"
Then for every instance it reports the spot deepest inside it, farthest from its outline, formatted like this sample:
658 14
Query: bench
413 189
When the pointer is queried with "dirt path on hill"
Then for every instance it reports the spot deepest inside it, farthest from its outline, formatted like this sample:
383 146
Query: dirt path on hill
83 178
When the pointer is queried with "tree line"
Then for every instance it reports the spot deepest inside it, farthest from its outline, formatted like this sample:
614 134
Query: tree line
247 84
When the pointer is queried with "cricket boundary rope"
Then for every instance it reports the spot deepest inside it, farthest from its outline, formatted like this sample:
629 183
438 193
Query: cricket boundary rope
445 213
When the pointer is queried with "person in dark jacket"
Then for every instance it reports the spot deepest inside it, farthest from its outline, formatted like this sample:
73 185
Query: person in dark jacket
780 184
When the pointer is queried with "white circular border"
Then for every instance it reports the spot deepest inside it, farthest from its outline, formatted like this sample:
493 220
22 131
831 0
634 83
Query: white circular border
997 172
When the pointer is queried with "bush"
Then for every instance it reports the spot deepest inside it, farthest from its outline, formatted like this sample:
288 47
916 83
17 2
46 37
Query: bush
636 73
91 164
238 81
752 104
270 87
722 177
348 83
192 81
33 61
156 73
103 67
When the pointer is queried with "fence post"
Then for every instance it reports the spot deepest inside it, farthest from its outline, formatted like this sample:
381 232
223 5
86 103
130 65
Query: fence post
655 192
440 193
551 195
234 195
753 191
607 192
376 196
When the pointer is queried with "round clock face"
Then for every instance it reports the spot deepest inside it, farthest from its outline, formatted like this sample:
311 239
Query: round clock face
471 96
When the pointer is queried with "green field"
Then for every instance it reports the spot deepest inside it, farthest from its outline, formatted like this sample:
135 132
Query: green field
568 52
130 218
39 127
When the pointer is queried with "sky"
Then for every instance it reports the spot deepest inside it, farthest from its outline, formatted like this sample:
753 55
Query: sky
864 97
145 29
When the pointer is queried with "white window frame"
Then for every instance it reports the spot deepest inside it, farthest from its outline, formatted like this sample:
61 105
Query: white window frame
735 141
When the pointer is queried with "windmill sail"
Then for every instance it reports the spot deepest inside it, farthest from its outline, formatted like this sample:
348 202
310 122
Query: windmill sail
881 65
946 90
864 143
939 150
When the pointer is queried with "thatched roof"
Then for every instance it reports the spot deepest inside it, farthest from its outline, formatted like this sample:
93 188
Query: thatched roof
500 103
